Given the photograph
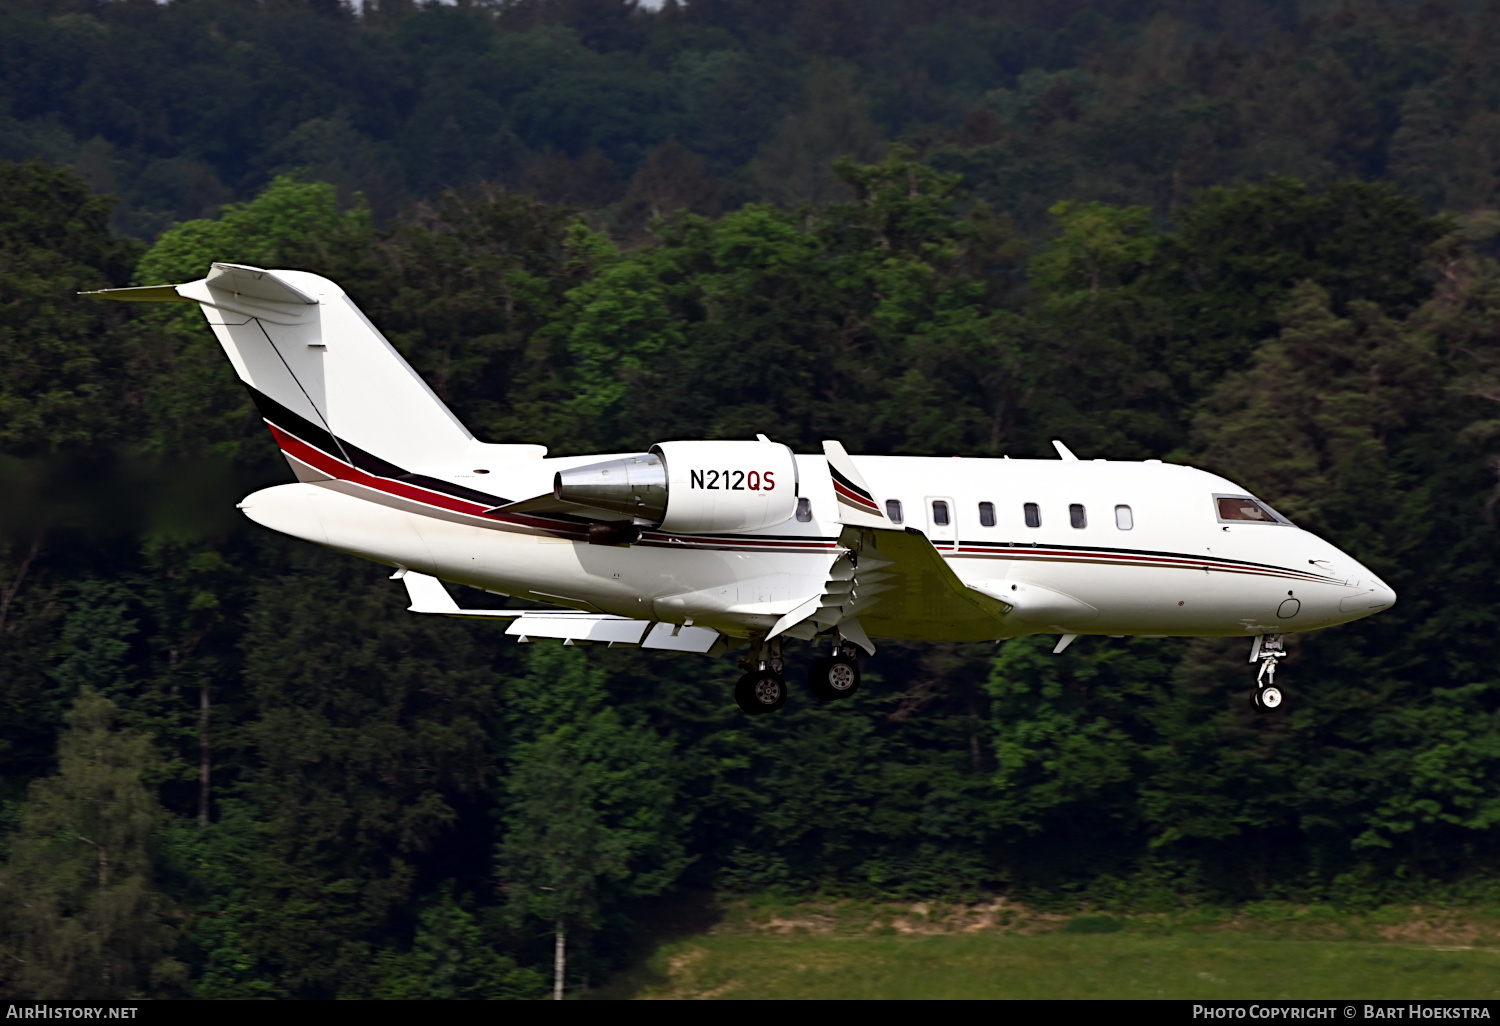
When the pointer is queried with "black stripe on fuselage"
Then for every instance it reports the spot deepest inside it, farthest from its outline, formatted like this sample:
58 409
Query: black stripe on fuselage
315 435
1020 547
320 438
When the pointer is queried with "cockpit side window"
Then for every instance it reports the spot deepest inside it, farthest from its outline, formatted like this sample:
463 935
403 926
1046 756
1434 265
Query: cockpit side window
1244 509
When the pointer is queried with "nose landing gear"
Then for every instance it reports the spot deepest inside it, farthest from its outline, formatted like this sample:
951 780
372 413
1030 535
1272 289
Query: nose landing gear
1267 650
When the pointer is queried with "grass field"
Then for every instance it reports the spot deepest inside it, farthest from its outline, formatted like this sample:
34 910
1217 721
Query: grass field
743 958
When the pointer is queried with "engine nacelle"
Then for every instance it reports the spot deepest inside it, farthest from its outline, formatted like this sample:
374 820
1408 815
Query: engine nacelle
691 487
727 486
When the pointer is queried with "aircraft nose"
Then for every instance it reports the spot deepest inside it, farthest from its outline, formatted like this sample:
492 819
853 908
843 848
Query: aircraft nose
1368 596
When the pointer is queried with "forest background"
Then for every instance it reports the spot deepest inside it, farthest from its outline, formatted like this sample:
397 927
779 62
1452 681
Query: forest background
1259 237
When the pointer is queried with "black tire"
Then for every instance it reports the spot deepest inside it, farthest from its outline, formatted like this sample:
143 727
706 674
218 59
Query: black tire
760 692
1267 699
817 680
830 679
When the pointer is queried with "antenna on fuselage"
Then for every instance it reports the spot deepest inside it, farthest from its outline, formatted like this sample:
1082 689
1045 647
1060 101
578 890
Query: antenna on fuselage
1063 451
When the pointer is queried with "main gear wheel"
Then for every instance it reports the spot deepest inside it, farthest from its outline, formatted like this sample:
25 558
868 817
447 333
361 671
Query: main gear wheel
832 678
760 691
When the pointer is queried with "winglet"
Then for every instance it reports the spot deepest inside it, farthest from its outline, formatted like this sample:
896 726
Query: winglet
857 505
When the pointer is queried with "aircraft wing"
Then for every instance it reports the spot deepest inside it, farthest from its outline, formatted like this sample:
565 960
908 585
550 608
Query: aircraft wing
887 579
428 595
913 582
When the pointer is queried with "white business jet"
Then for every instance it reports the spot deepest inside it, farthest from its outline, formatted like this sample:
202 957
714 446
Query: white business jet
707 546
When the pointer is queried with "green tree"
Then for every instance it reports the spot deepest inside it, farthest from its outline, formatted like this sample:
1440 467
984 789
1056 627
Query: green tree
195 406
84 919
556 851
63 386
452 958
367 730
1100 247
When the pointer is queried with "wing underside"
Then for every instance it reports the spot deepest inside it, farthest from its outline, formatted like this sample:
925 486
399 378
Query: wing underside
428 595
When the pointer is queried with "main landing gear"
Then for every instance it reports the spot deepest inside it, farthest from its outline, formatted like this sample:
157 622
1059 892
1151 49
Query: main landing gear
834 677
763 688
1267 650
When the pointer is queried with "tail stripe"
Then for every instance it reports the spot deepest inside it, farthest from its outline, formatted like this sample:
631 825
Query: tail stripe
301 438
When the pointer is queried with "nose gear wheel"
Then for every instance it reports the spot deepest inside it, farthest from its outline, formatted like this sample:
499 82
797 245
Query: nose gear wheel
1268 650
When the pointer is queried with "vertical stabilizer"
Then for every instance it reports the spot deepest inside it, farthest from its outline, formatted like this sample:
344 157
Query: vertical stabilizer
319 371
303 347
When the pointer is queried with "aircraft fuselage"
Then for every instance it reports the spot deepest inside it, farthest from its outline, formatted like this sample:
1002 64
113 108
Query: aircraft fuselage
1117 548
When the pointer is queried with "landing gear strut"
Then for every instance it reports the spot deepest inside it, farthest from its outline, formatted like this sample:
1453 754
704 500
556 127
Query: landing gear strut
1267 650
836 676
763 688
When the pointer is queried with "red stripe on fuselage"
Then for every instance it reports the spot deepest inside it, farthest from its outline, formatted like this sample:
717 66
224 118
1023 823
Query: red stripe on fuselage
337 468
319 460
1045 555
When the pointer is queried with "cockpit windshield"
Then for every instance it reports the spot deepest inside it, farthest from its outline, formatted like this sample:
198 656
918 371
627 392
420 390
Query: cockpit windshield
1244 508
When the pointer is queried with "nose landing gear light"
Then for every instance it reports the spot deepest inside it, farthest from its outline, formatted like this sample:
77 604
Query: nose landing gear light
1267 650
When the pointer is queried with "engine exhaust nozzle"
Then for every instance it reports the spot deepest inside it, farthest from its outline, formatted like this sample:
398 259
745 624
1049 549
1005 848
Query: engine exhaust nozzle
635 486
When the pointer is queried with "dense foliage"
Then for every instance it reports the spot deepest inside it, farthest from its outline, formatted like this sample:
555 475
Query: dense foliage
231 764
705 104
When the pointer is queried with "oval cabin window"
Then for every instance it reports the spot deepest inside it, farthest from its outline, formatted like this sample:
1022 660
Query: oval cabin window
940 513
986 514
893 510
804 510
1033 514
1077 516
1123 518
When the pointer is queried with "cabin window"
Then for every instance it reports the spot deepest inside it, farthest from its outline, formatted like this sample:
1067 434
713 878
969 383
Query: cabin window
1123 518
1243 508
1033 514
804 510
1078 517
939 513
893 510
986 514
